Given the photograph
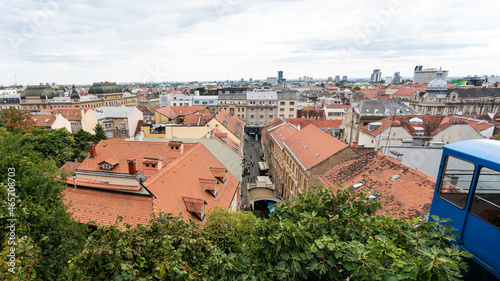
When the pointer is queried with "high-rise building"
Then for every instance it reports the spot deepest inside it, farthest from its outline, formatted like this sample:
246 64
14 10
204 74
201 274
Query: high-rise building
329 79
397 78
421 76
280 77
337 79
376 76
344 78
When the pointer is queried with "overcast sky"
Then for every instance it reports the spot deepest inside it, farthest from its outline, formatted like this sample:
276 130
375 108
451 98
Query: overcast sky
74 41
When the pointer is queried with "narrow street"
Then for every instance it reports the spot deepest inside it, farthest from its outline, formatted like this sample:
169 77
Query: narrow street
252 150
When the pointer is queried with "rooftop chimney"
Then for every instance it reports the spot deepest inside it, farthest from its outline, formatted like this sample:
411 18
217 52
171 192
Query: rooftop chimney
131 166
92 149
328 131
354 144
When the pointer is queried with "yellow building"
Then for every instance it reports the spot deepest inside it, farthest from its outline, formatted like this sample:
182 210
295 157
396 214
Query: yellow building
234 103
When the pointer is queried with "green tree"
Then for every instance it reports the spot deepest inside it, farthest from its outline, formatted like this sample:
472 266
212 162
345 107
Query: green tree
53 144
496 84
13 118
168 248
99 133
356 88
228 230
81 148
40 212
327 236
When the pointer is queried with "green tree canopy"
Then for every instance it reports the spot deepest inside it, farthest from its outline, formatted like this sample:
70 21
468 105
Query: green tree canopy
327 236
322 236
99 133
39 210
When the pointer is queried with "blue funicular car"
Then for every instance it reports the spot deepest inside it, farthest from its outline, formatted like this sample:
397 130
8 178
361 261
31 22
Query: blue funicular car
468 192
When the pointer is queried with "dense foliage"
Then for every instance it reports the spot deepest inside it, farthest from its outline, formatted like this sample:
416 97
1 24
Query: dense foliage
331 236
168 248
325 236
39 210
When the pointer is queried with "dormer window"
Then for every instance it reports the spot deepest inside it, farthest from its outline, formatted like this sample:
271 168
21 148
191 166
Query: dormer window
108 164
195 206
219 174
209 185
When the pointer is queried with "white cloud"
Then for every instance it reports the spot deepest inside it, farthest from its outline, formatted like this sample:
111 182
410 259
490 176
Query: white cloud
74 41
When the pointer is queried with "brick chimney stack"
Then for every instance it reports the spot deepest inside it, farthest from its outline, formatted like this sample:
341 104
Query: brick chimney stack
131 166
92 149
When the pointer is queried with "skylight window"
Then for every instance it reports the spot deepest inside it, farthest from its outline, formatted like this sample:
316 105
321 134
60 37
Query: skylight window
374 196
358 185
395 177
316 155
46 121
297 139
306 146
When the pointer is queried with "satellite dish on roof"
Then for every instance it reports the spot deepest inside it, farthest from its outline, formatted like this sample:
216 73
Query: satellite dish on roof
140 178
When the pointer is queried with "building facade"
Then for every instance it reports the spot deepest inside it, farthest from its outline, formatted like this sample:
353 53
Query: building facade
287 105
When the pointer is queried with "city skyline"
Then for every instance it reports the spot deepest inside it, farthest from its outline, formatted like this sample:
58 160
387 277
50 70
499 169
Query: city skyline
74 42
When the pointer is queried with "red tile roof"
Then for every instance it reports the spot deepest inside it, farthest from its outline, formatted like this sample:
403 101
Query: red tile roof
118 152
175 111
197 119
70 167
182 179
229 142
432 124
147 110
408 92
311 113
232 123
43 120
104 207
311 146
194 205
71 113
409 195
282 132
304 122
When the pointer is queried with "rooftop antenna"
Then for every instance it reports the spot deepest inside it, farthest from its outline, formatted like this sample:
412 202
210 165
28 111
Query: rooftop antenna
15 81
142 178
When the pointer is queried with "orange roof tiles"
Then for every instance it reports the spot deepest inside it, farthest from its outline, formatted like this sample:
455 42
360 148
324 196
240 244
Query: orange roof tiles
175 111
432 124
311 146
70 167
104 207
118 151
181 179
232 123
197 119
311 113
43 120
282 132
71 113
409 195
408 92
194 205
304 122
